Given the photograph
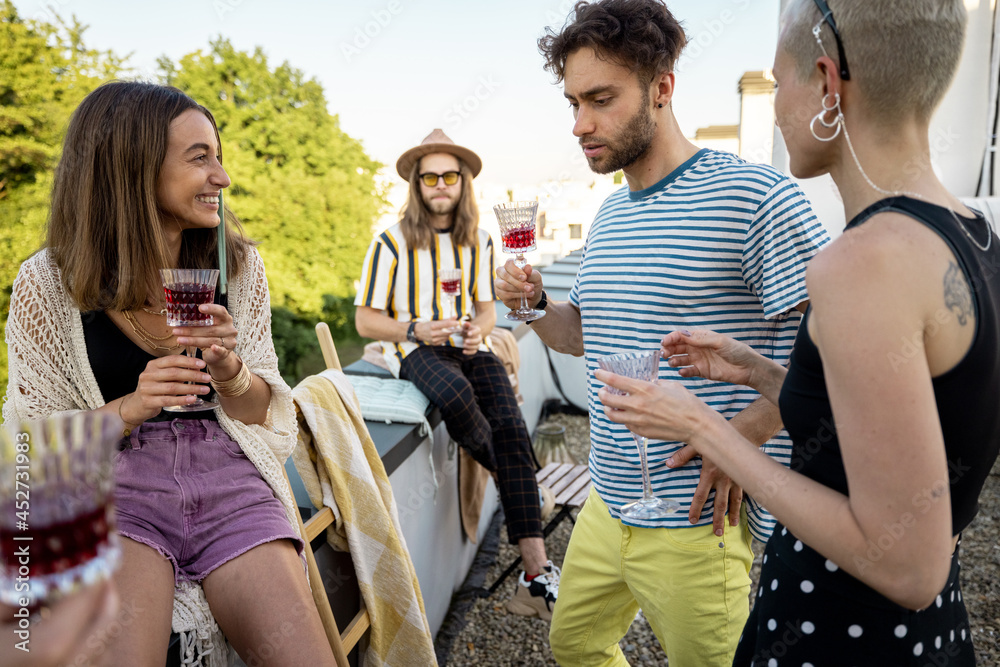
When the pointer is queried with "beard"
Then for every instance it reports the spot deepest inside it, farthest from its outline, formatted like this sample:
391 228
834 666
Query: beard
441 206
627 146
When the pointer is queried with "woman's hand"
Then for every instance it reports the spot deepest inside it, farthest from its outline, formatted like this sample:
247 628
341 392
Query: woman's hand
436 332
162 383
712 356
472 337
217 341
662 411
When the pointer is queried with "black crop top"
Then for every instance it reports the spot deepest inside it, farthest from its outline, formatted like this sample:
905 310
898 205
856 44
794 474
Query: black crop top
117 363
967 396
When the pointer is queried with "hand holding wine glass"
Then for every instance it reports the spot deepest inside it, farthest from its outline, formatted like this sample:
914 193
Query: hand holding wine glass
57 517
517 231
186 291
639 366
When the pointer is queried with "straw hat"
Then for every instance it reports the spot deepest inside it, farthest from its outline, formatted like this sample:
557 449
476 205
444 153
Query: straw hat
437 142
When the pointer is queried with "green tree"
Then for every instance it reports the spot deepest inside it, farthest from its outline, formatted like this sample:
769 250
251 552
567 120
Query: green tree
302 187
45 70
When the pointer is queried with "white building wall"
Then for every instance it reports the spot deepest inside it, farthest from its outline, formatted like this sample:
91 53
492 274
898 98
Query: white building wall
757 127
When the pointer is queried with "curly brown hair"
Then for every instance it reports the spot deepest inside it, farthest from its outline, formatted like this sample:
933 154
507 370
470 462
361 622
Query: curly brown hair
639 34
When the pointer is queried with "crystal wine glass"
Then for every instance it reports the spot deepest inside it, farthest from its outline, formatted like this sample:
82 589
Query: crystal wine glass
451 287
185 290
640 366
517 231
57 518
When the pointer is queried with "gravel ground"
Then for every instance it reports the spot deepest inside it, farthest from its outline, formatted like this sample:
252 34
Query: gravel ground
494 637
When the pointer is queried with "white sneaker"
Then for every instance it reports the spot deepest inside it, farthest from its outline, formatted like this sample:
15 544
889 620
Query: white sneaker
538 596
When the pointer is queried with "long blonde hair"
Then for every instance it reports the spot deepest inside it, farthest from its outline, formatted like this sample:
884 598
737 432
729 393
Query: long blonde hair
104 227
414 219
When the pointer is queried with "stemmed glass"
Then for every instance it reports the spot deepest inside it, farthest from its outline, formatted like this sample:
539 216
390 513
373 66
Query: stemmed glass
451 287
57 518
640 366
517 231
185 290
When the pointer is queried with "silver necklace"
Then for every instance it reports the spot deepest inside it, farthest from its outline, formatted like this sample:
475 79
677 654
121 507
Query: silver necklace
915 195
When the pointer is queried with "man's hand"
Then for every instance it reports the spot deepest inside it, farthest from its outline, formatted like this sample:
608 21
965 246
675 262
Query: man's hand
511 282
436 332
472 337
728 494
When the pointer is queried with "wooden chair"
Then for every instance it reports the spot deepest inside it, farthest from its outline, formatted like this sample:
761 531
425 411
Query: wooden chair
342 642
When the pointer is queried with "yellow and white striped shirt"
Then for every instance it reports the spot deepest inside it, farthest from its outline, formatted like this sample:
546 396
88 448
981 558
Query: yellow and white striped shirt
404 282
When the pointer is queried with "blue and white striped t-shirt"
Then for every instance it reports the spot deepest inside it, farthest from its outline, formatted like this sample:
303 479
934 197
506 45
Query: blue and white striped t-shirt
718 244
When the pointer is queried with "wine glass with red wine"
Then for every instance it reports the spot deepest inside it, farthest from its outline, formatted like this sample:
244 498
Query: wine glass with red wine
451 287
57 517
517 231
185 290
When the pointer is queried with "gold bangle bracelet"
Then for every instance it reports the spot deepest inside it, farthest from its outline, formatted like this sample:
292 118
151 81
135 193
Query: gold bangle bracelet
236 386
127 431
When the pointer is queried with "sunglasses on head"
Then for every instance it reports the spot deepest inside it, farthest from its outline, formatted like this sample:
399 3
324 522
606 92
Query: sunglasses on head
430 180
827 13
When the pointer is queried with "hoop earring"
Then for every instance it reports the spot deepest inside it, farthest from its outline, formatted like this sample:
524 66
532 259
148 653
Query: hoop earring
838 120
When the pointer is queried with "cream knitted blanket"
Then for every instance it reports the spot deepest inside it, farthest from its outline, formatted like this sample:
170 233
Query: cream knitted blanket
341 469
50 374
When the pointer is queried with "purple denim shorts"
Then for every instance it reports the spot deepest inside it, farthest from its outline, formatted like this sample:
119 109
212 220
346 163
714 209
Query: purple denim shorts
185 488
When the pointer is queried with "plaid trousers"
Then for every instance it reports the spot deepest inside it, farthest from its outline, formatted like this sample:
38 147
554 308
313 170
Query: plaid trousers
480 411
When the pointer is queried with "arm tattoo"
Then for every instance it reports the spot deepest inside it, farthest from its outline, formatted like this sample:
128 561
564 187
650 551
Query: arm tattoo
957 296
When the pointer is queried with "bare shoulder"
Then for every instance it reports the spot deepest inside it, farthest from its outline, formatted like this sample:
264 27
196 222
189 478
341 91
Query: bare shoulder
890 253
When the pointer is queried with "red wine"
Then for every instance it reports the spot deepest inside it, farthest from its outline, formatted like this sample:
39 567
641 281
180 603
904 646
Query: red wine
451 286
519 239
183 300
58 547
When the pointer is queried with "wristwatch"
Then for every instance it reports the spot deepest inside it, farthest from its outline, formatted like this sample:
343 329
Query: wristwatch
540 305
411 333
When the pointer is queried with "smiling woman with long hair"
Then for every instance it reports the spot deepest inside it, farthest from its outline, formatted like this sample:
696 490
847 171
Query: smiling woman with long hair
205 515
891 444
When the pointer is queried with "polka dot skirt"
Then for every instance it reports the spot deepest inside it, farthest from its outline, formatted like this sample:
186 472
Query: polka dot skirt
809 613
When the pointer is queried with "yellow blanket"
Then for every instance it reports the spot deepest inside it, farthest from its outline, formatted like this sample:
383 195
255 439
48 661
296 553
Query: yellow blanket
341 469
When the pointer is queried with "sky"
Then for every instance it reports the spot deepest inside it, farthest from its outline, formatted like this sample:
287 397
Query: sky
395 69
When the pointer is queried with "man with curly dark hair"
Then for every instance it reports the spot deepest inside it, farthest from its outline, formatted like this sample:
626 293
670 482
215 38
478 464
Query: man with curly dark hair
698 239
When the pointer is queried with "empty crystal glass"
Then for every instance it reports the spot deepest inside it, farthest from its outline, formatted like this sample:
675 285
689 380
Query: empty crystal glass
640 366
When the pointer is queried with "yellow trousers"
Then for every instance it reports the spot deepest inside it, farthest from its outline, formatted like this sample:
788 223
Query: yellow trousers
692 586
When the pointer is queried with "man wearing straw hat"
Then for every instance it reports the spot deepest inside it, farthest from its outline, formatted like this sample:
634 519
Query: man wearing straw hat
441 349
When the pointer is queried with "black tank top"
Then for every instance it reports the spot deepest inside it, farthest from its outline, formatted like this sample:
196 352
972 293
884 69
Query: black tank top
967 396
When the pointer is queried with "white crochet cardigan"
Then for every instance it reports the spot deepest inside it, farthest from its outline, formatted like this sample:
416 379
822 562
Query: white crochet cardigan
49 373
